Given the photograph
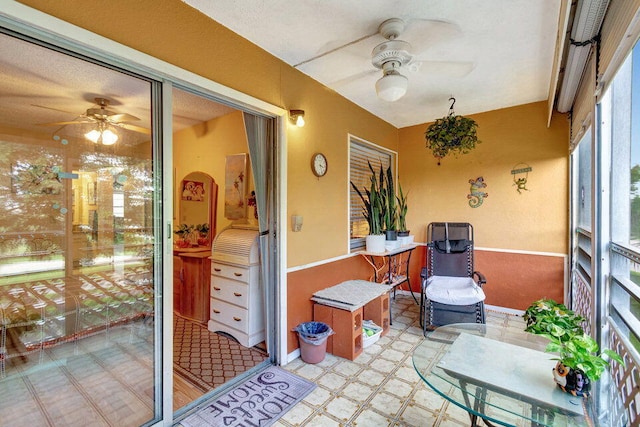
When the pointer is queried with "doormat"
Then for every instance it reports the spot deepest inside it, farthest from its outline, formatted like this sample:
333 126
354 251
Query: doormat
207 359
259 401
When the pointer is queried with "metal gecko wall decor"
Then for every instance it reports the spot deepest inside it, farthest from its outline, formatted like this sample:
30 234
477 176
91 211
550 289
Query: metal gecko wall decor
520 174
476 195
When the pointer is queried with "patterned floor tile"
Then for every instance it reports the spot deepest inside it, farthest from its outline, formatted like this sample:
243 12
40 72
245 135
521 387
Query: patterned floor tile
380 387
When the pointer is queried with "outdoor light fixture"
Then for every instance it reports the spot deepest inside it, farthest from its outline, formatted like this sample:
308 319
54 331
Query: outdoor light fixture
297 117
102 135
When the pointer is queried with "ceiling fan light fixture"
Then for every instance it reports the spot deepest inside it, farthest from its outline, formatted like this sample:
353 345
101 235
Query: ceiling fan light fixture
105 136
391 86
109 137
93 135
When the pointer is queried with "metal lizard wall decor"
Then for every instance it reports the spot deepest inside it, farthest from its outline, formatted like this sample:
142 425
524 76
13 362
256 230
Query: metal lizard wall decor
476 196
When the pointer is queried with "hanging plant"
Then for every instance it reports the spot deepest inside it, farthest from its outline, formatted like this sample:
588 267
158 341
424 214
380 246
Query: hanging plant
452 134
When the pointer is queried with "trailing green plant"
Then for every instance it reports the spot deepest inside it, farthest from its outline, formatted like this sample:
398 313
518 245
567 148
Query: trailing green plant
402 209
452 134
580 351
373 207
547 317
388 192
563 328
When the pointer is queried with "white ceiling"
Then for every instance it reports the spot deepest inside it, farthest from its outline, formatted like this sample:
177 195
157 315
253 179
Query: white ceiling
488 54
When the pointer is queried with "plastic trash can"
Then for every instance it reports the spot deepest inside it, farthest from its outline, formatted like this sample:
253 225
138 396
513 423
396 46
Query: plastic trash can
313 340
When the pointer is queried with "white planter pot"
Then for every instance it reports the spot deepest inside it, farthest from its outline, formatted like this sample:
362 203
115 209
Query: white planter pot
405 240
391 244
375 243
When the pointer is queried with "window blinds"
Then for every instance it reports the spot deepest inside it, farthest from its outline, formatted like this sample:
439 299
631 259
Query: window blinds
361 154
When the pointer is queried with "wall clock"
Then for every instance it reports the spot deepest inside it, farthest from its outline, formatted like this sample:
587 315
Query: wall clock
319 164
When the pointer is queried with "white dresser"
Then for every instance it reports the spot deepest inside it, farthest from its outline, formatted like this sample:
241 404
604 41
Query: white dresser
237 306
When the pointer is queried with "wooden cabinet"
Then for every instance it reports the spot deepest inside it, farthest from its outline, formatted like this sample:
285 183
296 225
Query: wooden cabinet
191 299
237 302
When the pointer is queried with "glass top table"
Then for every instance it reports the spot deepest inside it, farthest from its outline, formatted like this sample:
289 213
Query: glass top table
503 376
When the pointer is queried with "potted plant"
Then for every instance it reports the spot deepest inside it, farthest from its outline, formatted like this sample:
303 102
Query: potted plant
183 232
373 212
452 134
580 360
203 234
388 192
402 212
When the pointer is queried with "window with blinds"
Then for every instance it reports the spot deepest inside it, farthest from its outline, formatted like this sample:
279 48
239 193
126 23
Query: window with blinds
362 153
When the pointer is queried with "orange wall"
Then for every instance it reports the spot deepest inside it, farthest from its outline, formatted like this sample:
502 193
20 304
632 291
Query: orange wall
302 284
536 220
515 280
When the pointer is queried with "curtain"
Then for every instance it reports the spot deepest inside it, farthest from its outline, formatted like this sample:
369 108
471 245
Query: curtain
260 136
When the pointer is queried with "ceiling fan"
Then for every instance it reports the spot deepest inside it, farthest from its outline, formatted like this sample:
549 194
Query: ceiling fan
395 57
104 119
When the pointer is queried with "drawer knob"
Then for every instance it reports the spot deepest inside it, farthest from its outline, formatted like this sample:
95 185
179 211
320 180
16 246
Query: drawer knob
237 274
218 270
216 288
238 294
237 319
216 311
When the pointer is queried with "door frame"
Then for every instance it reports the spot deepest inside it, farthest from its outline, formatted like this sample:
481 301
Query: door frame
40 26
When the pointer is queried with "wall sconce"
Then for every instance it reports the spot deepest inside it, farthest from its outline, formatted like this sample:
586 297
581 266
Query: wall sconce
296 223
297 117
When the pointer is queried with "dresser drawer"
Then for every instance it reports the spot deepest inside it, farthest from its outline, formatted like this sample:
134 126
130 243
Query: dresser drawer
230 315
230 271
232 291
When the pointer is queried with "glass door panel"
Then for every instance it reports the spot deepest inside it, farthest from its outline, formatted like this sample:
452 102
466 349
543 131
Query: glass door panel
76 241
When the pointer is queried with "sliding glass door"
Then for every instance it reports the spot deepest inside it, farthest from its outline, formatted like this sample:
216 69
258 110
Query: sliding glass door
79 241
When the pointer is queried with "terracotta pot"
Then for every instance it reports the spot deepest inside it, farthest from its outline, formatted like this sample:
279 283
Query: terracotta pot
572 381
181 243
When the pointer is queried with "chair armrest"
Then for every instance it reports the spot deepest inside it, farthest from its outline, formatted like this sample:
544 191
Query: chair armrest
480 279
423 273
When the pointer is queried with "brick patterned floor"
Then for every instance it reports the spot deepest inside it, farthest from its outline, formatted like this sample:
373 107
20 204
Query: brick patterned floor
208 359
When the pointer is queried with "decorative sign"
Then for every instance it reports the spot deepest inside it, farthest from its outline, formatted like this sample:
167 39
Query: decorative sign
520 174
476 195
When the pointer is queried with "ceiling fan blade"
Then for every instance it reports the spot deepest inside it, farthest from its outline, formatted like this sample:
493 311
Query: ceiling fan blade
442 68
122 117
51 108
74 122
352 78
334 49
426 33
134 128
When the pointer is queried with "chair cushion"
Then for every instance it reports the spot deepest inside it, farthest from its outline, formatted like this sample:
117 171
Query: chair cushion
454 290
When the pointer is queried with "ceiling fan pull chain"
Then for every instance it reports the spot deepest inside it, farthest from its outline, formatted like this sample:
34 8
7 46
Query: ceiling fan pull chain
452 104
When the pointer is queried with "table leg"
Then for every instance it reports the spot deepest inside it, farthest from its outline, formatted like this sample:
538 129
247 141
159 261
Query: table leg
479 398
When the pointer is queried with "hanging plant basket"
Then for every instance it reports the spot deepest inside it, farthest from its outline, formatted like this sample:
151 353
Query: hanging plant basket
452 134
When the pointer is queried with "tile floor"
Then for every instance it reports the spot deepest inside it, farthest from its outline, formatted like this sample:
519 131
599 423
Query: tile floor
380 387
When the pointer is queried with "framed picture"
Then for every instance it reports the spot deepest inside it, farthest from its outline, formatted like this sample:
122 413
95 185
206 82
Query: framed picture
92 188
235 177
193 190
28 178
